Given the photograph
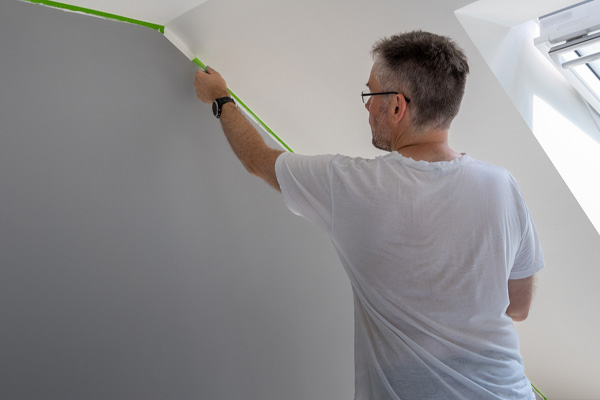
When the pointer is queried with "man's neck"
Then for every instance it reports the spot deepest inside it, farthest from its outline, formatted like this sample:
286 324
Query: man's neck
429 152
431 147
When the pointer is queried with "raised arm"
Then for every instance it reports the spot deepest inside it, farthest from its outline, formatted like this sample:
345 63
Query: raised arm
520 293
247 144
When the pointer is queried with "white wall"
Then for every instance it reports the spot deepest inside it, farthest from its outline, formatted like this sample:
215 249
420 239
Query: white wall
138 259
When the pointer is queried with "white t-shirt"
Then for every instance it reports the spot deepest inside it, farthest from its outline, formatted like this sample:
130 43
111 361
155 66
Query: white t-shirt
429 248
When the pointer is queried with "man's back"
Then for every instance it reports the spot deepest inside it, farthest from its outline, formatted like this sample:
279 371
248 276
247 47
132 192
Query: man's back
429 248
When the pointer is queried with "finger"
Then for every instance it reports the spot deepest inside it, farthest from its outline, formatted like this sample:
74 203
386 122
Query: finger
211 71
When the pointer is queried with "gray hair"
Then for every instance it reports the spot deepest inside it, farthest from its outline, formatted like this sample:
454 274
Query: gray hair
431 70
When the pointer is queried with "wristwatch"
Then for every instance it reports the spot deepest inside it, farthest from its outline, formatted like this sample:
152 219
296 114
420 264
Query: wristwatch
218 104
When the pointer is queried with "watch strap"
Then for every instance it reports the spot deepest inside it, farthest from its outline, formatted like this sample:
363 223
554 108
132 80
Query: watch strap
218 105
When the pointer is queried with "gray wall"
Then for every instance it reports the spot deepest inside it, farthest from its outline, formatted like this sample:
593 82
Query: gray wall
138 260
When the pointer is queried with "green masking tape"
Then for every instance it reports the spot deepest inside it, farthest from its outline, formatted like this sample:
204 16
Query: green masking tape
538 392
161 29
241 103
70 7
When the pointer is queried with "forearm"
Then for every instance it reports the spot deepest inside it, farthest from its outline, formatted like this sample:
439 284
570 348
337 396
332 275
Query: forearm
244 140
248 145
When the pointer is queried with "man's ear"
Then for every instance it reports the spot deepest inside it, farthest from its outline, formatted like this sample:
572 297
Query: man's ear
400 107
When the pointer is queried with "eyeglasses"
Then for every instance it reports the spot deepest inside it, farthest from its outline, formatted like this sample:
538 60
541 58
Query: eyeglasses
367 94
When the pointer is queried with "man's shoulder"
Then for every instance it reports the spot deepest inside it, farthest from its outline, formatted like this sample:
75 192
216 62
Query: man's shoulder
486 167
326 159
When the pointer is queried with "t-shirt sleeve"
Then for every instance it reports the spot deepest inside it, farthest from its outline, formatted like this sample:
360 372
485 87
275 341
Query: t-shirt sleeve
529 258
306 187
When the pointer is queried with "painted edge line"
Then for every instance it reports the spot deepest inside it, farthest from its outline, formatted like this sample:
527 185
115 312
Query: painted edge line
240 102
538 392
97 13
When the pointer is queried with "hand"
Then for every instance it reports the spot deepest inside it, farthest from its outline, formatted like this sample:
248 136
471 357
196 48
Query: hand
210 85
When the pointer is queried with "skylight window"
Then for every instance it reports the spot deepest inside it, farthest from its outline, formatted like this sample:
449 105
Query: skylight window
570 38
589 71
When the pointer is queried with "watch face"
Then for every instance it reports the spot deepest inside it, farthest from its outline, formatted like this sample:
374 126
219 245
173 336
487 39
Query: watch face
215 107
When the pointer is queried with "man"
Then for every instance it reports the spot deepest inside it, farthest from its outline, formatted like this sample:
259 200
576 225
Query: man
440 248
